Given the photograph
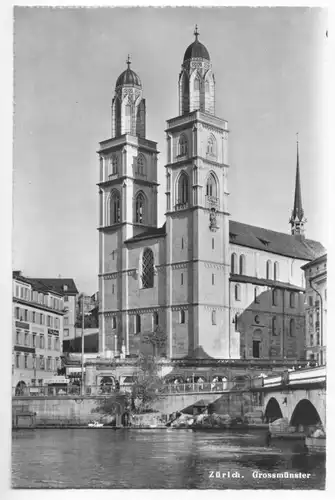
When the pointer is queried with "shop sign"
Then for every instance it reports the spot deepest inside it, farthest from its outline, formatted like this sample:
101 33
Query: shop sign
53 332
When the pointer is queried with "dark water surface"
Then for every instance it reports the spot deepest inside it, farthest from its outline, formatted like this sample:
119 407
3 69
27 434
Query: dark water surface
105 458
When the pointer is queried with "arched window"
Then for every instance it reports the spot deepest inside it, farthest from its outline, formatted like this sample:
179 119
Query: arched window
256 295
274 325
207 86
183 188
115 207
213 317
242 264
156 319
147 269
113 322
274 297
183 146
211 146
211 186
292 299
276 271
182 316
292 327
127 118
137 323
233 263
140 165
139 208
197 84
268 270
237 292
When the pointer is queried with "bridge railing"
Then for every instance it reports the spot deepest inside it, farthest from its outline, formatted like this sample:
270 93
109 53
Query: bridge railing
96 390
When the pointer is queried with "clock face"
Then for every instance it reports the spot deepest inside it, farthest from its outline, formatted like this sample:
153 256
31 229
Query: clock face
257 320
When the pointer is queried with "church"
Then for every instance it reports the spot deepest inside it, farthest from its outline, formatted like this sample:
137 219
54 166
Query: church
210 286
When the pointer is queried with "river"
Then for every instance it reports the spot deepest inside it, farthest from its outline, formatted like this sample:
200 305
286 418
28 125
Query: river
105 458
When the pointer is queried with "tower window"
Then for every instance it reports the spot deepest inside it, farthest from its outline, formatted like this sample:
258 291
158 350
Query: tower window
113 289
233 263
183 145
182 243
213 279
183 189
237 292
114 165
137 323
148 269
211 146
242 264
139 208
182 316
211 186
207 86
115 210
213 317
113 322
212 243
268 270
182 279
197 84
156 319
140 165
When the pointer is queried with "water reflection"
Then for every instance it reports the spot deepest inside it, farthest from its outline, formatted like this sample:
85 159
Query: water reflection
157 459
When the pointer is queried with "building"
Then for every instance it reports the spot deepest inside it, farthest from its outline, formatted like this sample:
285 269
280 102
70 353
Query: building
217 288
66 287
316 309
38 312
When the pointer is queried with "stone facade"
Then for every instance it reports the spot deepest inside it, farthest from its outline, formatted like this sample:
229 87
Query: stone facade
194 276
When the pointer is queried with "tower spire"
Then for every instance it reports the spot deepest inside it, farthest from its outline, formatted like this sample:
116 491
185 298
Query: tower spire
128 61
196 32
297 219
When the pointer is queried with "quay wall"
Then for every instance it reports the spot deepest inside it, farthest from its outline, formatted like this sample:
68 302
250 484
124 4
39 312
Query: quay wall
56 410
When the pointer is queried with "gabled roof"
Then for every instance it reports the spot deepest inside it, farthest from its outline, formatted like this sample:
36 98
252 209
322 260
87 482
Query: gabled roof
153 232
57 284
274 241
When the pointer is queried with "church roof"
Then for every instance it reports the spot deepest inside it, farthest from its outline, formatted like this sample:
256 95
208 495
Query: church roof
258 238
128 77
241 278
153 232
274 241
196 49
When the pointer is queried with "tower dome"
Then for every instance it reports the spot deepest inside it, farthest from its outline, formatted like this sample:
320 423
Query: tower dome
196 49
128 77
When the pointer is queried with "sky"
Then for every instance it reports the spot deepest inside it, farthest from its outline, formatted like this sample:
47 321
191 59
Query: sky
269 71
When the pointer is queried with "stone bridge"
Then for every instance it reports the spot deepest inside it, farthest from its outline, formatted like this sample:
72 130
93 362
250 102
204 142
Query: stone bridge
299 396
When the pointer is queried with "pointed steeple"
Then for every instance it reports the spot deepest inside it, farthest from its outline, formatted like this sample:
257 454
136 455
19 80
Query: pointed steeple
297 219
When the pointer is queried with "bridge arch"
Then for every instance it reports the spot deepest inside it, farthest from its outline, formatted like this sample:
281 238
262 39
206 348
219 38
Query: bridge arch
305 414
272 411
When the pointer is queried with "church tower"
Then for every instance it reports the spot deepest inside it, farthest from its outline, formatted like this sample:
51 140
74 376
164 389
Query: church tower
127 204
197 226
298 219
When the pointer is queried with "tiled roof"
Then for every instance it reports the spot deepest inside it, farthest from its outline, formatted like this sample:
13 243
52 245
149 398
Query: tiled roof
241 278
57 284
273 241
153 232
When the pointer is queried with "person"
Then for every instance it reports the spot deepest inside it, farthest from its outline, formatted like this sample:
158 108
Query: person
268 438
213 384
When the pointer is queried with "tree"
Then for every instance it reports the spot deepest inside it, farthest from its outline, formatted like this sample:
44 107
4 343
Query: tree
157 339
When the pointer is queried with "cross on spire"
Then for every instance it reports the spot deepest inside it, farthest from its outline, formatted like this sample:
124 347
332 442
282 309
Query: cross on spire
128 61
196 32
